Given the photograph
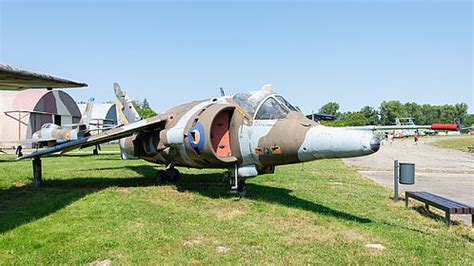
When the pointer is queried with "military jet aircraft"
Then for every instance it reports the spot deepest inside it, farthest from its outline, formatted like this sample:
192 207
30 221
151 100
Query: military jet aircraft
13 79
51 134
248 134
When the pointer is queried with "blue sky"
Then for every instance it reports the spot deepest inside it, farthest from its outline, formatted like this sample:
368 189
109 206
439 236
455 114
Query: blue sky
355 53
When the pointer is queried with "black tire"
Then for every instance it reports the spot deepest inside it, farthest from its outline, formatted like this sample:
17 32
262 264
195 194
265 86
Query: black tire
241 186
161 177
173 175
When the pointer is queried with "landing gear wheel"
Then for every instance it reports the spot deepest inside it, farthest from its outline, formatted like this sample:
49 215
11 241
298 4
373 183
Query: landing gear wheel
241 188
161 177
173 175
169 175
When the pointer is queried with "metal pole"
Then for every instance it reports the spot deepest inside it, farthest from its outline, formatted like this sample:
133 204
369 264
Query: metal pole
395 180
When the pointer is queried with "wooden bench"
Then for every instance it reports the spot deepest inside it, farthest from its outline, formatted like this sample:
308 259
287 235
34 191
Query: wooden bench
447 205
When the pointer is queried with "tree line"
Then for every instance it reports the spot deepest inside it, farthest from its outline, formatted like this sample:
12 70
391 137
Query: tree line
388 111
385 114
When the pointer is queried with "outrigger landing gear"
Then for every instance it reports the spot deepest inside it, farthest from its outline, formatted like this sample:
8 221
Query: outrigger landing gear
170 174
96 150
37 173
237 185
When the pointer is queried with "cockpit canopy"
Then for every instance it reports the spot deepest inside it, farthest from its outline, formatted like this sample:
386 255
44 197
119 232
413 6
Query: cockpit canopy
51 126
264 105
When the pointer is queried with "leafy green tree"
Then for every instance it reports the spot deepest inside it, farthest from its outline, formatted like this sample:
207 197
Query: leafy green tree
460 110
389 111
469 120
330 108
355 119
335 123
144 109
370 114
413 110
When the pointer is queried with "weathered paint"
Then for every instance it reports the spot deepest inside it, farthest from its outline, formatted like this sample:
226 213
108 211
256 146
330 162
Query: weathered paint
219 133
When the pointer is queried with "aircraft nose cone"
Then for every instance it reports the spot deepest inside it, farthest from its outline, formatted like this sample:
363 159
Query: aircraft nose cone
375 144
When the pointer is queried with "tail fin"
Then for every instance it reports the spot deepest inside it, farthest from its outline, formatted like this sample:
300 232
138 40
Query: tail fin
126 112
87 115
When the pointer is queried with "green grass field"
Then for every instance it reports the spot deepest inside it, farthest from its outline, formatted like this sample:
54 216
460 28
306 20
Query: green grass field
456 143
102 209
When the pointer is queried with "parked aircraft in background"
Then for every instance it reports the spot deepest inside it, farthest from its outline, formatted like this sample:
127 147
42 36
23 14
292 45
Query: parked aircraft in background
51 134
13 78
248 134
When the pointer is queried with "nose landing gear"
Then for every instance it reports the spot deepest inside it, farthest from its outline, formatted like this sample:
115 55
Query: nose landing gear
237 184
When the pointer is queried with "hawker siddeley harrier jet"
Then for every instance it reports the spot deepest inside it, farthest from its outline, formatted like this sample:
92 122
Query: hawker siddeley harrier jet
248 134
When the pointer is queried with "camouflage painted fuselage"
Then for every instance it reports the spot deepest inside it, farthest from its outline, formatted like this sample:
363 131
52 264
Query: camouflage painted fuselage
218 133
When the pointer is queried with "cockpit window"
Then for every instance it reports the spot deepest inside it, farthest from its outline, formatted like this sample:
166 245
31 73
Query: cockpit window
250 101
49 125
273 103
286 103
271 109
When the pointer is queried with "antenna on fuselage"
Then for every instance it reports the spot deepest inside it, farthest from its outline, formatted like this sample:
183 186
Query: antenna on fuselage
222 91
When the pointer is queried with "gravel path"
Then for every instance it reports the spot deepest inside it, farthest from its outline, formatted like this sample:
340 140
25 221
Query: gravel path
445 172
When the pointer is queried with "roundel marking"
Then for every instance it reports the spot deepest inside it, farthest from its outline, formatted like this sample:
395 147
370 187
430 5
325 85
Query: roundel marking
196 136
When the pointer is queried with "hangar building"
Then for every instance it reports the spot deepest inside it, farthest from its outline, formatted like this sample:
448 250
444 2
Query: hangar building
103 115
24 112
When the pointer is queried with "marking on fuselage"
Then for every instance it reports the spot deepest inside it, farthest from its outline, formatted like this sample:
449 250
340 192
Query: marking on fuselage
249 138
175 135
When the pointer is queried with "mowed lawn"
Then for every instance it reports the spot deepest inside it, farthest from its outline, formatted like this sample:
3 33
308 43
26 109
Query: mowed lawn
457 143
100 209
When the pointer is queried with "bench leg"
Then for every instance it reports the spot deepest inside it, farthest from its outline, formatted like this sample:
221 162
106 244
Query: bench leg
447 218
406 200
472 220
427 207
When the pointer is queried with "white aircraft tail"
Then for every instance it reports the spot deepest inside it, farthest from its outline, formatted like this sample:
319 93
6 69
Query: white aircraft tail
126 112
87 114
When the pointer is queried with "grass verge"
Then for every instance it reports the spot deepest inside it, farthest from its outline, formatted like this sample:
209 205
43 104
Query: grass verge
456 143
96 209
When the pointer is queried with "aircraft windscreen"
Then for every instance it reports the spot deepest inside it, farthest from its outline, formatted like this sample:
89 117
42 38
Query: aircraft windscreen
286 103
271 109
49 125
274 107
250 101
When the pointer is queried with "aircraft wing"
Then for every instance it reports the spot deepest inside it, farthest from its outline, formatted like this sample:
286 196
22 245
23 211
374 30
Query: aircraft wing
451 127
106 136
13 78
39 140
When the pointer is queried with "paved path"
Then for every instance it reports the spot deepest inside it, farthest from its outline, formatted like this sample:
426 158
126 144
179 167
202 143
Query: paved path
445 172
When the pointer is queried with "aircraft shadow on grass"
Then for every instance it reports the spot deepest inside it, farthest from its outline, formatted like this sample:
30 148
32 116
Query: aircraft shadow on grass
25 204
212 186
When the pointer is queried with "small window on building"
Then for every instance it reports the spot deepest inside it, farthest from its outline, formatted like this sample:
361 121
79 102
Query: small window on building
270 110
